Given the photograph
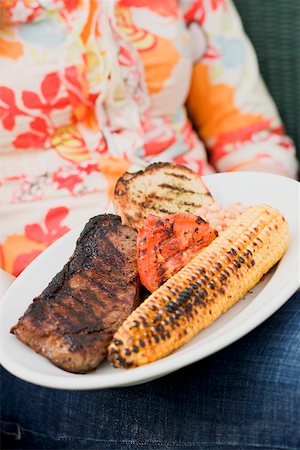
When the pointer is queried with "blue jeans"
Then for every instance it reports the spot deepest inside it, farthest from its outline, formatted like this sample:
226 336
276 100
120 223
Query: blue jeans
247 396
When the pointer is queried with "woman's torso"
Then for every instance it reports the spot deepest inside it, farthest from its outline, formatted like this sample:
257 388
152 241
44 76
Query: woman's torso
62 147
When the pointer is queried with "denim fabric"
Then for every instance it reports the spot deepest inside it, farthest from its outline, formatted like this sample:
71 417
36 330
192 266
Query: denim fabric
247 396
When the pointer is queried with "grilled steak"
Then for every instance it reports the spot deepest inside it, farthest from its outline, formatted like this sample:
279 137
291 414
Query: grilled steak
73 320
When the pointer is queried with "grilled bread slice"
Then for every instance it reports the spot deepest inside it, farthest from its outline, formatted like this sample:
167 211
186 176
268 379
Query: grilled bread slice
160 189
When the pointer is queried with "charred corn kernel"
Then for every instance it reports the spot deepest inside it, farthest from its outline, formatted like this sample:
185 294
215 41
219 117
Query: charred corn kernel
219 276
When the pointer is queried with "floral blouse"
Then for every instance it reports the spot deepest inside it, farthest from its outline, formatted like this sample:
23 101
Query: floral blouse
90 89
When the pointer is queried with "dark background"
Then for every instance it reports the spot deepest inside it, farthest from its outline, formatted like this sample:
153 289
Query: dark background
274 29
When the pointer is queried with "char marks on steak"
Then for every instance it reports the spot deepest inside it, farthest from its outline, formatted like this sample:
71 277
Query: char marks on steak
73 320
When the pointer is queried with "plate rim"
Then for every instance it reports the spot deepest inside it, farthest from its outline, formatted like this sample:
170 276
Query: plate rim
153 370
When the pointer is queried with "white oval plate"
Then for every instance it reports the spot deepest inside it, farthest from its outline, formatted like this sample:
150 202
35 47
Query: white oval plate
272 291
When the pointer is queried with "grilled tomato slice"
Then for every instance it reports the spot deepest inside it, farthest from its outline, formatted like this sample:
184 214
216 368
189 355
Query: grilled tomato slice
166 244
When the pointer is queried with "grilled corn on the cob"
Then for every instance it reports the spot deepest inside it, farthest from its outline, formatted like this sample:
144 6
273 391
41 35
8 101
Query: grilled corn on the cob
219 276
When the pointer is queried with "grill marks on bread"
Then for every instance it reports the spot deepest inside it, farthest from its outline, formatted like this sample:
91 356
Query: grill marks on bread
73 320
162 188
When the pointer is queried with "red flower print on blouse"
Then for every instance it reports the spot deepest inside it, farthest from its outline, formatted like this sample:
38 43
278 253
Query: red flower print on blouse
197 11
37 138
8 108
54 229
77 86
68 182
49 89
24 260
41 128
215 4
125 58
163 8
71 5
51 230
